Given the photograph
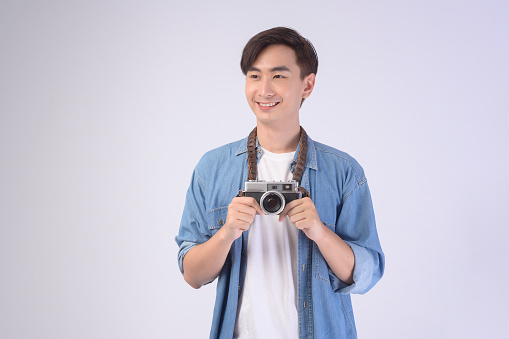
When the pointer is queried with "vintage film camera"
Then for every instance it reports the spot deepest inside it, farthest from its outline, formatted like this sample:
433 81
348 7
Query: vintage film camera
272 195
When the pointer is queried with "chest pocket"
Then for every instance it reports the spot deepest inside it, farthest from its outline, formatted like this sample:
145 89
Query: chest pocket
216 219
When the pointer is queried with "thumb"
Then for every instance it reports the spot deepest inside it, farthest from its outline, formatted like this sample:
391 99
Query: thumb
282 216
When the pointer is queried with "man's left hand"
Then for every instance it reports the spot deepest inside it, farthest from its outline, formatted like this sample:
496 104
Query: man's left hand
303 214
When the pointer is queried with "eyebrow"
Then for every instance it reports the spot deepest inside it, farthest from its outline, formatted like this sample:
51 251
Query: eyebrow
272 70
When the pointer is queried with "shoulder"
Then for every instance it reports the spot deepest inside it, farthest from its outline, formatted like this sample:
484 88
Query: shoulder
220 154
342 162
220 173
222 161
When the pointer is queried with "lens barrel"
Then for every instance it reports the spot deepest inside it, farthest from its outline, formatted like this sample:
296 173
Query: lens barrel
272 202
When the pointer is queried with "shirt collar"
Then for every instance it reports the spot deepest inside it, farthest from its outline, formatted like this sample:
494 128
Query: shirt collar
310 158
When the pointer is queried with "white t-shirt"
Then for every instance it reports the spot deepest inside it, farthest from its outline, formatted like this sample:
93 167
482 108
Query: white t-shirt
268 302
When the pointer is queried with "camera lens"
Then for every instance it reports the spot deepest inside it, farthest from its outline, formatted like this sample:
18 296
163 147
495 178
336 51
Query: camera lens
272 202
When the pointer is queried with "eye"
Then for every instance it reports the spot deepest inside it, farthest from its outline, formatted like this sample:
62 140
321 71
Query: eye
279 76
254 76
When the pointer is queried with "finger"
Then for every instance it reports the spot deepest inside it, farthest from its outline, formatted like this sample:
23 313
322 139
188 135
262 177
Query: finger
246 216
245 209
244 200
290 209
294 203
301 224
297 217
249 201
283 214
304 204
297 210
238 223
257 207
243 225
242 217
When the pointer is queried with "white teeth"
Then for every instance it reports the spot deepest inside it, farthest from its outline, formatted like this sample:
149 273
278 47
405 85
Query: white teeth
268 105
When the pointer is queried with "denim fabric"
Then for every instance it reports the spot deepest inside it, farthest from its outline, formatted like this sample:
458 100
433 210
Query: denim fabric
340 192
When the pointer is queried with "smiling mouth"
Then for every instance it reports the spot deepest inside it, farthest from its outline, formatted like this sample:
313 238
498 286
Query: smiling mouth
268 104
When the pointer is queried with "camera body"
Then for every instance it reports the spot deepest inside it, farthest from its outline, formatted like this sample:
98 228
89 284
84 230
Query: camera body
272 195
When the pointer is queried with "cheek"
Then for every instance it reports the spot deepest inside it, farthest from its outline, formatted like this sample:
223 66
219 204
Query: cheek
291 94
249 96
249 90
289 91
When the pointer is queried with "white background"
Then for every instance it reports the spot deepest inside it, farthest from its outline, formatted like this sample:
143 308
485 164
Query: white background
106 107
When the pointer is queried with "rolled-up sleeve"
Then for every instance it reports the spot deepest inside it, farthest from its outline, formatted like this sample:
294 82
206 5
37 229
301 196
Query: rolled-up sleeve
193 227
356 226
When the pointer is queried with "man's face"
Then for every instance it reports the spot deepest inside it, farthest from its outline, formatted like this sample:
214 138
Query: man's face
274 88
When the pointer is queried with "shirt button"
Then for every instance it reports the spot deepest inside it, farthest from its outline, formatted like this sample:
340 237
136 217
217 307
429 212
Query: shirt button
303 267
220 221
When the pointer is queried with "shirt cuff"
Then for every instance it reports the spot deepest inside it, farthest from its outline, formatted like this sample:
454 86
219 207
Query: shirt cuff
184 248
362 272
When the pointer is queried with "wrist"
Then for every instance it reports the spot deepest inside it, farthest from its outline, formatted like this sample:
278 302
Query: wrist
226 235
321 233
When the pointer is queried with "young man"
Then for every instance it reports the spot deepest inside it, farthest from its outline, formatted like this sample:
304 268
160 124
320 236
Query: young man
286 275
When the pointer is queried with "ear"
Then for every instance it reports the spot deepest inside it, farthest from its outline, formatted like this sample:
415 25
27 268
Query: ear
309 82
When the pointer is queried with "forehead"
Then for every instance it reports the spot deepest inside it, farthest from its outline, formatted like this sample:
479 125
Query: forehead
276 55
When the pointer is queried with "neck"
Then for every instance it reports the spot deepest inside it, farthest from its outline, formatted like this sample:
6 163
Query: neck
279 140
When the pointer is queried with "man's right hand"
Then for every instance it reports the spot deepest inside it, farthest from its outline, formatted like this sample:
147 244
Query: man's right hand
241 213
204 262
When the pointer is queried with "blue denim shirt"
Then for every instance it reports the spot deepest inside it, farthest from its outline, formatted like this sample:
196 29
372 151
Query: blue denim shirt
340 192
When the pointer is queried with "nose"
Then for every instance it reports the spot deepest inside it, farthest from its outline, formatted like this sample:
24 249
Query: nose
266 89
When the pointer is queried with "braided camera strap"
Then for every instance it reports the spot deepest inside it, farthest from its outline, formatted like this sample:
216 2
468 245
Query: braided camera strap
301 160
